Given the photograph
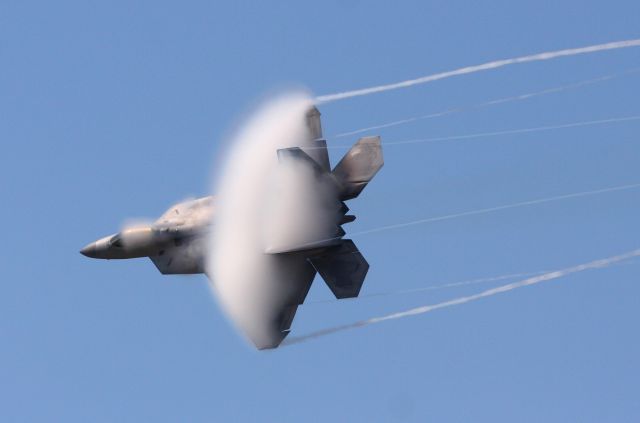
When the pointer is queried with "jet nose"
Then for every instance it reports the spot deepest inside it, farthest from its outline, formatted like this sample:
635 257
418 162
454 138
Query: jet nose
90 250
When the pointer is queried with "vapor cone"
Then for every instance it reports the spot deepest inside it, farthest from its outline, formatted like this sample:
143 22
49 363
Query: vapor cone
262 205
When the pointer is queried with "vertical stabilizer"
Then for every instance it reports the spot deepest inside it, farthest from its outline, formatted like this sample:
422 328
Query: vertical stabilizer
313 123
319 151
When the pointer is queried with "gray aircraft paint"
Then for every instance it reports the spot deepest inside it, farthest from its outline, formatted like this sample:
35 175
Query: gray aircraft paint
179 241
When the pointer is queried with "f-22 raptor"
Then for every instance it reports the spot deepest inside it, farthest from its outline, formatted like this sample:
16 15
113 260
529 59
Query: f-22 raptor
177 243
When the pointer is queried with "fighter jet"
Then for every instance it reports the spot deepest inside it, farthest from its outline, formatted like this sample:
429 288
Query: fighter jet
177 243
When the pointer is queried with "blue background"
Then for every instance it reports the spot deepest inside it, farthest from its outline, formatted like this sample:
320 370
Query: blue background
112 110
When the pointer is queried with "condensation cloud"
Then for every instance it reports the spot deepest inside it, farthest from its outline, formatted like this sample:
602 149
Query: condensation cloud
263 205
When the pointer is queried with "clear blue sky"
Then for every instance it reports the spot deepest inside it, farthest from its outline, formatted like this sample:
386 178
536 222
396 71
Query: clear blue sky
111 110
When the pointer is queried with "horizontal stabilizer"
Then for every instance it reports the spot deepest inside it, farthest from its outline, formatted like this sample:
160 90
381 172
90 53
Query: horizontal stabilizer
343 268
358 167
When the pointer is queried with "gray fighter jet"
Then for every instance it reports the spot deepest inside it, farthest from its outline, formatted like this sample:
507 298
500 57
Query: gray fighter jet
177 242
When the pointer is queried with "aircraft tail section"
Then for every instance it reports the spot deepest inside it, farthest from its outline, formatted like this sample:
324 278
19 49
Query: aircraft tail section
337 260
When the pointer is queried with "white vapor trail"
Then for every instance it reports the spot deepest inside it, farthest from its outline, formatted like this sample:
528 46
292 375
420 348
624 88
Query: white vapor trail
477 68
434 287
438 287
515 131
601 263
489 210
505 132
497 208
459 109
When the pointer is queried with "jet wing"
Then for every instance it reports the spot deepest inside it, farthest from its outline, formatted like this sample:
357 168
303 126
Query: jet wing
182 256
263 298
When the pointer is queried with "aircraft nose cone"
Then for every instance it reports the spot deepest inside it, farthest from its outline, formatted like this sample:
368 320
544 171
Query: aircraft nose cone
89 250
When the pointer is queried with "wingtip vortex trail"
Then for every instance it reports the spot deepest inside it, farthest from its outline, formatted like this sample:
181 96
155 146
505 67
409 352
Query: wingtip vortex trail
556 274
615 45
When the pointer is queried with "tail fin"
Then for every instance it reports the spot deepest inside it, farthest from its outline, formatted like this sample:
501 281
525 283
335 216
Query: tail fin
343 268
358 167
318 151
313 123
